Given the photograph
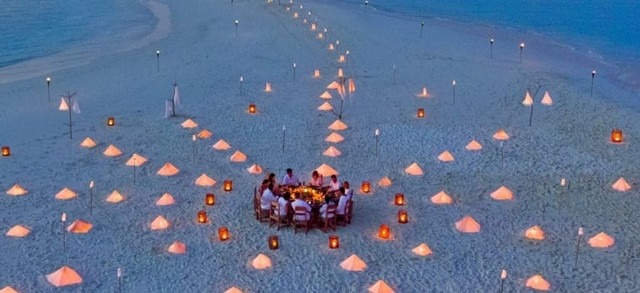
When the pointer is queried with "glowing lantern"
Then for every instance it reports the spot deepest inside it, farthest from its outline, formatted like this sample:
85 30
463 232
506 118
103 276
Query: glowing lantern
177 247
399 199
326 170
384 182
6 151
334 137
273 242
534 233
254 169
223 233
79 227
337 125
228 185
538 282
403 217
210 199
66 194
238 156
501 135
168 169
473 145
204 134
441 198
205 181
422 250
331 47
16 190
420 113
64 276
340 73
165 200
8 289
252 108
380 287
602 240
202 217
189 124
414 170
353 263
88 143
502 193
160 223
325 107
320 36
295 15
383 232
528 100
111 121
267 87
221 145
445 156
261 262
18 231
616 136
468 225
546 99
621 185
112 151
366 187
313 26
334 241
114 197
136 160
352 86
316 73
341 58
332 152
424 93
325 96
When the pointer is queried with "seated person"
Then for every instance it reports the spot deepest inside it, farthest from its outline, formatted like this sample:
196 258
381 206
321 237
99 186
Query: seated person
267 197
316 179
334 185
263 186
342 203
347 190
283 201
301 203
327 203
290 179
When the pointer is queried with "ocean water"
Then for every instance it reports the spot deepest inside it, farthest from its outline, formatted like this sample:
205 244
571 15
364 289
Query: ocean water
37 28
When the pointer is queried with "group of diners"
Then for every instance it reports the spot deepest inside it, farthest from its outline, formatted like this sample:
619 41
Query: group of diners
285 200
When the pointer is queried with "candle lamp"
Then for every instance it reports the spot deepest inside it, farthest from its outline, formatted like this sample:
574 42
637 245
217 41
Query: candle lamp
421 113
316 73
202 217
210 199
111 121
399 200
273 242
334 242
228 185
223 233
403 217
616 135
366 187
384 231
6 151
252 108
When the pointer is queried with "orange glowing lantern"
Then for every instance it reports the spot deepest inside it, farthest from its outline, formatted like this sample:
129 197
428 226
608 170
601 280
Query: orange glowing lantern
210 199
403 217
399 199
273 242
334 241
616 135
384 231
340 73
111 121
341 58
366 187
6 151
223 233
316 73
421 113
202 217
228 185
252 108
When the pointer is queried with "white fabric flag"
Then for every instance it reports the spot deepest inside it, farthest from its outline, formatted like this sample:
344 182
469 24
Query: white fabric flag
76 106
176 96
168 109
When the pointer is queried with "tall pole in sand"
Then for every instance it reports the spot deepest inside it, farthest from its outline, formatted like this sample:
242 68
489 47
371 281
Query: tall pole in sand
283 137
119 275
503 276
454 91
421 28
294 71
521 48
158 60
491 49
241 80
91 197
377 134
236 28
593 76
63 218
366 2
49 88
580 232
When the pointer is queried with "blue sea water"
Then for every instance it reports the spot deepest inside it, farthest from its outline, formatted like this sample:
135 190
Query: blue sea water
36 28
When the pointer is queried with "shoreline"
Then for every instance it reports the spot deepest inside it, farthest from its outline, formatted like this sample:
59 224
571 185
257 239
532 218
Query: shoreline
91 49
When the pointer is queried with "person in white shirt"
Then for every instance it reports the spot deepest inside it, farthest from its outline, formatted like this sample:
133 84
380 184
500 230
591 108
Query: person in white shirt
342 203
316 179
267 197
347 190
290 179
282 204
334 185
323 209
301 203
